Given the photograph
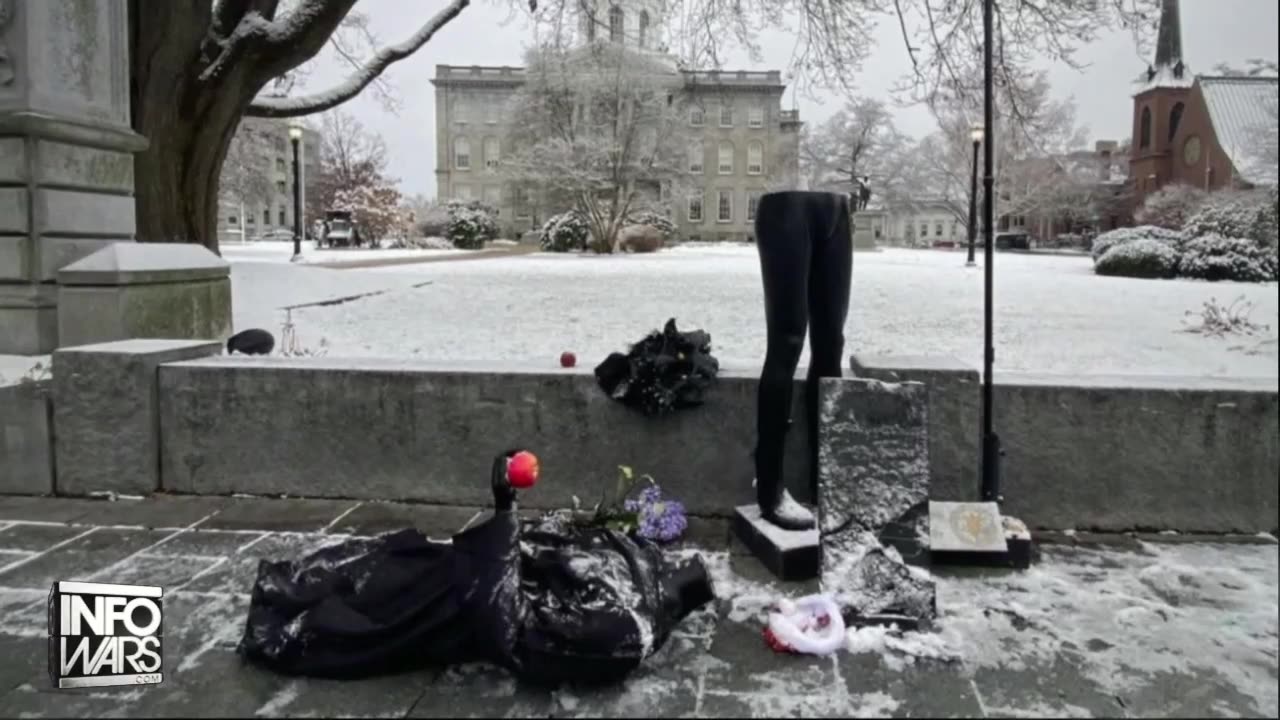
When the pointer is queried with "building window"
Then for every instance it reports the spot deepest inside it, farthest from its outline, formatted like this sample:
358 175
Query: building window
493 196
695 207
726 115
1144 132
879 229
280 186
520 198
755 157
615 24
460 114
280 164
1175 117
251 219
233 220
755 117
726 157
924 229
462 154
266 216
462 192
753 202
696 155
644 29
491 153
280 214
697 117
937 229
724 206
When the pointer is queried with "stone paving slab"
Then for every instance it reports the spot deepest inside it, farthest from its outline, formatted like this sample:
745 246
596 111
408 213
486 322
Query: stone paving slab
1187 629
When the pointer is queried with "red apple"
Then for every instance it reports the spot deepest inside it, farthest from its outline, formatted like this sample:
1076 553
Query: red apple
568 359
522 469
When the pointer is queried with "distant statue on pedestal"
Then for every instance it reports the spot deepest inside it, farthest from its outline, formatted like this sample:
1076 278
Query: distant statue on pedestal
863 193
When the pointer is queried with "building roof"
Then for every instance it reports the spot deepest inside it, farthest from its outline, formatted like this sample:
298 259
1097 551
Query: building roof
1243 115
1168 70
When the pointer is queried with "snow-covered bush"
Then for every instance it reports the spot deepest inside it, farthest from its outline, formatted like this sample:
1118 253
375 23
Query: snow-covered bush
640 239
1119 236
1214 257
424 243
471 224
565 232
660 222
1170 206
434 222
1230 214
1266 223
1140 258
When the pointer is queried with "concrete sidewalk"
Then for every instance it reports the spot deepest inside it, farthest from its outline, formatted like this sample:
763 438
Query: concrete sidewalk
1139 629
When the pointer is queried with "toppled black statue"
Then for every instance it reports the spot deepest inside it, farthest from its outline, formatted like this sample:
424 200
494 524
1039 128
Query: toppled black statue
254 341
665 371
550 601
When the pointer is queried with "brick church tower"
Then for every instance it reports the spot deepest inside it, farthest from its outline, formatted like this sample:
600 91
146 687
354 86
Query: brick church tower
1158 107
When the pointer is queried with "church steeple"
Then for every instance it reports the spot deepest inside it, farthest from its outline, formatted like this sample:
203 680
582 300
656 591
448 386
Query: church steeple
1168 44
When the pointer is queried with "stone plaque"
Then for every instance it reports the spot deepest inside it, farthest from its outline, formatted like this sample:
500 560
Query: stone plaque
966 527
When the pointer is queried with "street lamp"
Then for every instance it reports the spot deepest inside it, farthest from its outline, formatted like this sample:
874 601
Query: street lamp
295 139
975 134
990 441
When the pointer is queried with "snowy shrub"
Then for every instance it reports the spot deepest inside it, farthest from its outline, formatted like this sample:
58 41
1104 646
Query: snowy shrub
1230 214
660 222
1119 236
471 224
1266 222
1171 206
1141 258
434 222
1220 320
565 232
427 243
1214 257
640 239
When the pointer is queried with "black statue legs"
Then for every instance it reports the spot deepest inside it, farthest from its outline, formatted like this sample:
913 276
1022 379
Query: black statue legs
806 264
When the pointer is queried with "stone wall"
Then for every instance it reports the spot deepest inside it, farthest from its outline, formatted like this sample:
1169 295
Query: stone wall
1108 454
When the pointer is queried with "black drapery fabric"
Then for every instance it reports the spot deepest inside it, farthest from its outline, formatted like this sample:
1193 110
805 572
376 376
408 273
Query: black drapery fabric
550 601
665 371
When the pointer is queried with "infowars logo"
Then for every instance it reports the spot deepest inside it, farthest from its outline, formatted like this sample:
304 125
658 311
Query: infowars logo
102 634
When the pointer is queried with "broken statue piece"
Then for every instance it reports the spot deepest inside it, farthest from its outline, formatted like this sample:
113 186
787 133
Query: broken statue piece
549 600
873 472
665 371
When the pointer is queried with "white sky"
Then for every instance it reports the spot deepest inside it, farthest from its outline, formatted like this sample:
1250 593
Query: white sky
487 33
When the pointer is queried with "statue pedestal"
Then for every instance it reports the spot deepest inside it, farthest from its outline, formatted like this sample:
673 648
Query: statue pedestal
864 239
788 554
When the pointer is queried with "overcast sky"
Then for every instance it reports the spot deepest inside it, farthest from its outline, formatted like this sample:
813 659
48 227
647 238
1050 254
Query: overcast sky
486 33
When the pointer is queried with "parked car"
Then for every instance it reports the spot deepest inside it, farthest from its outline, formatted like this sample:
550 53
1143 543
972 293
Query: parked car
341 230
1013 241
277 235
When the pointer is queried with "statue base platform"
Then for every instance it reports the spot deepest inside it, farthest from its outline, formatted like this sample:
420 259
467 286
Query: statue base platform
791 555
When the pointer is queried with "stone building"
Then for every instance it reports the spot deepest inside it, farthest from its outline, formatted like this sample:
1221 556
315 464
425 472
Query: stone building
271 217
1199 130
743 142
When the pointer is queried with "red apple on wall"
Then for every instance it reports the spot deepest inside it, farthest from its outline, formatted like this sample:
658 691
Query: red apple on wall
568 359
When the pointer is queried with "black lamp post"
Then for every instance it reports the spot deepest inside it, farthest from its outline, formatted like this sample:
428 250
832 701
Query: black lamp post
990 441
295 139
976 135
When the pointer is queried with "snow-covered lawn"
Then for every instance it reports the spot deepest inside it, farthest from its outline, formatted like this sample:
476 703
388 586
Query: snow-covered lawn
282 252
1053 315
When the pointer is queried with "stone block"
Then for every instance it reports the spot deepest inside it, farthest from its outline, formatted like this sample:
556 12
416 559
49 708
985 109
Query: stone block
73 212
791 555
15 253
396 429
13 160
74 166
14 216
955 422
106 414
59 252
131 290
863 235
873 460
26 439
28 319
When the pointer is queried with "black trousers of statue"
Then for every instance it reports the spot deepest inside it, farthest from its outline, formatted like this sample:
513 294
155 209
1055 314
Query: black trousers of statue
806 263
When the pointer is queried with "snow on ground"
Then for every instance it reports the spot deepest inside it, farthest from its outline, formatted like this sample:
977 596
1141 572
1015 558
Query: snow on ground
14 367
1053 315
282 252
1127 617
